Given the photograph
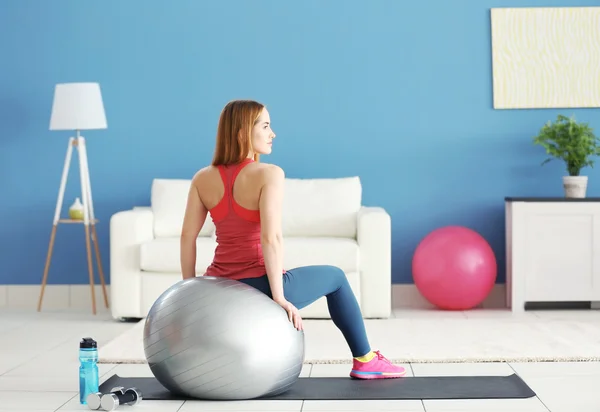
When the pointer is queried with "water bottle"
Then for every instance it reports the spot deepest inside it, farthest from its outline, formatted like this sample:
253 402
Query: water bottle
88 368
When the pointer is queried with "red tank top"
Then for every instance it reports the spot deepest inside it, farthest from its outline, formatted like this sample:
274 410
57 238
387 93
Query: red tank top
238 253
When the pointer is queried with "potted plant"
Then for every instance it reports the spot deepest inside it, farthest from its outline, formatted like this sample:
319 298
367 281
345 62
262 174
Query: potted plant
575 144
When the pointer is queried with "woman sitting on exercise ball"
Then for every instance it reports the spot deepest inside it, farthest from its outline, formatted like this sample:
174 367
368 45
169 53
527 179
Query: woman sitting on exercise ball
244 198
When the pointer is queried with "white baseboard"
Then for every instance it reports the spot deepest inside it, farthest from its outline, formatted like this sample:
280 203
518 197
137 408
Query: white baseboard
409 297
57 297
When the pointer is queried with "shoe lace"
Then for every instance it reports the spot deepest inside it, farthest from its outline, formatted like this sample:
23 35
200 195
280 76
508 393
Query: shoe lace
381 357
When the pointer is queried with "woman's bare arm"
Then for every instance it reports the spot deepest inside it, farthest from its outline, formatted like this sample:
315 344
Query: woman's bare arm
195 215
270 205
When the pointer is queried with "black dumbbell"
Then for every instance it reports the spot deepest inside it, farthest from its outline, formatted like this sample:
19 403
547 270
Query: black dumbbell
93 399
111 401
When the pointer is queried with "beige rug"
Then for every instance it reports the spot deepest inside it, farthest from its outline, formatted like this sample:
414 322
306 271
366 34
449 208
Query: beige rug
432 338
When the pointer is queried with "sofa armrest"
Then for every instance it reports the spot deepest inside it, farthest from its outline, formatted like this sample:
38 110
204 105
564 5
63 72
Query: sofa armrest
128 229
374 237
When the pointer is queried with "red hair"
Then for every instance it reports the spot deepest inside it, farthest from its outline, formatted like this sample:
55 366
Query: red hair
234 133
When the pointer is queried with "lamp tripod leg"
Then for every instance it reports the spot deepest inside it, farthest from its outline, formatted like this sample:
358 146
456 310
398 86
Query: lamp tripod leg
86 215
94 235
59 203
47 267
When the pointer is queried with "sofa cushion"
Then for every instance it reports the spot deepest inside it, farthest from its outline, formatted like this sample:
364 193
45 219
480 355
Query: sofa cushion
162 254
169 200
311 207
340 252
321 207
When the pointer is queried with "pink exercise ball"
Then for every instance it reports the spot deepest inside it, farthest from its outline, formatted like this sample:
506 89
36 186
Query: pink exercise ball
454 268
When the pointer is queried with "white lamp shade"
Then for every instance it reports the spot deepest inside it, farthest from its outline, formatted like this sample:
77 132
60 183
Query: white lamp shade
77 106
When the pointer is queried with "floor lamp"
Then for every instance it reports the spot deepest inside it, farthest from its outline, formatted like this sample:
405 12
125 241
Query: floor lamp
76 107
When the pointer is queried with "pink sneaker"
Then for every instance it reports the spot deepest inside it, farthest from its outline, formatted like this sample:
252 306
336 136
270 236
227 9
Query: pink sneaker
377 368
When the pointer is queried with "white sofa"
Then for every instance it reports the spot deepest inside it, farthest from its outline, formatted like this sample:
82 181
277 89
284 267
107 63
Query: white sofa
324 222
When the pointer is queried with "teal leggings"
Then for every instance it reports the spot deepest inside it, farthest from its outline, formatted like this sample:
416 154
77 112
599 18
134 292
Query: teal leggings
304 285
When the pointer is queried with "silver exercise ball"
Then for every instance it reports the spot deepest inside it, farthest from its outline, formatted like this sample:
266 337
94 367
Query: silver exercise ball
215 338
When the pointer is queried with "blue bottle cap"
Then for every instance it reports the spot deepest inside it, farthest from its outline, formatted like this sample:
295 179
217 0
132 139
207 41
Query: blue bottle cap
88 343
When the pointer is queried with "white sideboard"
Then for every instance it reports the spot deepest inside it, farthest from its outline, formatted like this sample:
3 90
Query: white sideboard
552 250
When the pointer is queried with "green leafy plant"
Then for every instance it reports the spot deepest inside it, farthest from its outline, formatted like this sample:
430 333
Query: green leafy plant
570 141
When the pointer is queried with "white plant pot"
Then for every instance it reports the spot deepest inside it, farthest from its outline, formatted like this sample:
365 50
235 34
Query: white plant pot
575 186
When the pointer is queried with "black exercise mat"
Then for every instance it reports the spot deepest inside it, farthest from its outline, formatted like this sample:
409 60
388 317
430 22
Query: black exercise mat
427 387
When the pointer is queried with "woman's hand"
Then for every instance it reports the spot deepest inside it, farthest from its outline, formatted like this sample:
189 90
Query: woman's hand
292 311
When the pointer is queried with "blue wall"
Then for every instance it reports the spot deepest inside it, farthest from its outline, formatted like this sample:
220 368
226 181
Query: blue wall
400 91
